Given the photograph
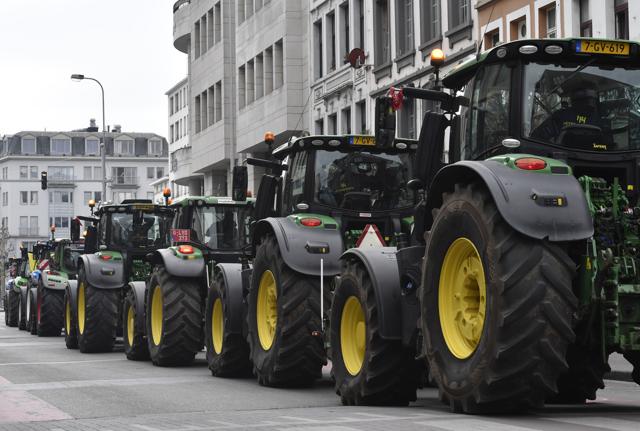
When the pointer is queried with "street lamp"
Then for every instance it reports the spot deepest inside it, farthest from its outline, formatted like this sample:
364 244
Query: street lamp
103 146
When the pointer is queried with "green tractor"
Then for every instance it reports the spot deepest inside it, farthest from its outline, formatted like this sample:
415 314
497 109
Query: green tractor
16 288
57 265
169 316
119 240
324 195
522 268
21 285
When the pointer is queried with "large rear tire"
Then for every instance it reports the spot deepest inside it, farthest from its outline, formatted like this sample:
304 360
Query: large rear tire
367 370
32 325
283 321
13 308
173 318
50 312
22 311
227 353
135 345
97 315
70 323
496 308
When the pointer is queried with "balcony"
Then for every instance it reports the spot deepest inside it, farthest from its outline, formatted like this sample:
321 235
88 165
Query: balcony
124 181
61 181
28 231
181 25
181 167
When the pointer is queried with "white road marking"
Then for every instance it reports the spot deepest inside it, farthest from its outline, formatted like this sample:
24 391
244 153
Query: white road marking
62 362
600 422
473 425
97 383
31 344
298 419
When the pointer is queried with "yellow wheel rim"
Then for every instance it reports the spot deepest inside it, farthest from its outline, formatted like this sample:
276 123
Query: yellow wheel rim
353 335
67 317
462 298
81 306
267 310
217 326
130 324
156 316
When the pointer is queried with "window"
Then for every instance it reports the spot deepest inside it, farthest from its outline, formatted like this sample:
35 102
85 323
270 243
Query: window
24 171
159 172
259 76
218 101
268 70
319 127
60 173
97 172
124 175
551 22
430 20
382 33
5 199
210 39
5 222
333 124
360 43
331 41
458 13
241 89
344 31
240 11
204 115
87 173
211 97
346 121
24 198
155 147
149 173
28 145
60 197
317 55
33 172
87 198
217 24
172 135
518 28
197 114
97 196
404 26
92 146
298 174
250 82
33 197
5 173
278 65
361 113
124 147
248 8
622 19
492 39
407 120
60 146
59 222
196 38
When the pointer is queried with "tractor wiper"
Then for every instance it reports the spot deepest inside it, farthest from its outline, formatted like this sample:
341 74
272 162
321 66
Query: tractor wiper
572 74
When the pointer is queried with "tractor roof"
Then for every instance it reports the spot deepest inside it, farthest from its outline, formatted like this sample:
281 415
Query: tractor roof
343 143
600 52
184 201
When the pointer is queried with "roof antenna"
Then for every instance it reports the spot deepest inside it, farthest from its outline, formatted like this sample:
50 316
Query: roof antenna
485 32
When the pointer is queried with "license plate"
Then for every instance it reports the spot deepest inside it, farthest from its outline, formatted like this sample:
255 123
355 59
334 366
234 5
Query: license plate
180 235
369 141
144 207
602 47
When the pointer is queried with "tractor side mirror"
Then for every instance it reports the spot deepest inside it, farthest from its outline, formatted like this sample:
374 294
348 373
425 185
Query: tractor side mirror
266 197
91 240
385 122
240 183
75 230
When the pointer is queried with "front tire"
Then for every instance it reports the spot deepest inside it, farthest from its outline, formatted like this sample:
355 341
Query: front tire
97 315
32 325
367 370
13 308
22 311
227 353
496 308
50 312
173 318
135 345
70 323
283 321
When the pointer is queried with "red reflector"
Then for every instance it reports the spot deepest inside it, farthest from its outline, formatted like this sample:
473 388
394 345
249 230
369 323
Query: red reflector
531 164
185 249
310 222
105 256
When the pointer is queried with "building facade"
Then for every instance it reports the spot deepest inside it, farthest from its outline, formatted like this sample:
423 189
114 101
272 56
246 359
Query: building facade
72 162
506 20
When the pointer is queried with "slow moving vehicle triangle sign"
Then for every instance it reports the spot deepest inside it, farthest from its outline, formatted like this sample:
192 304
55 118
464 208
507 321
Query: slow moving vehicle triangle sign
370 238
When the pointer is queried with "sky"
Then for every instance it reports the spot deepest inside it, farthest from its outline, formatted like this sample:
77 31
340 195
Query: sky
126 44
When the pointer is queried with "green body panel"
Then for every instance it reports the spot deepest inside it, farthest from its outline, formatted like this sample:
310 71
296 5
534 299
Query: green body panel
197 253
21 281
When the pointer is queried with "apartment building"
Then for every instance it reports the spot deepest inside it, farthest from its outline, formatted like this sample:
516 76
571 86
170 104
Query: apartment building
72 161
397 37
506 20
247 75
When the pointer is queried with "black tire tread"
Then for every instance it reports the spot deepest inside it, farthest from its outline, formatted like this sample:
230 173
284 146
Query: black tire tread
51 313
13 308
71 335
140 350
101 319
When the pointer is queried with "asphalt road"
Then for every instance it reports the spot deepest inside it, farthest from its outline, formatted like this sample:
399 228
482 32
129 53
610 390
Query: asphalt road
44 386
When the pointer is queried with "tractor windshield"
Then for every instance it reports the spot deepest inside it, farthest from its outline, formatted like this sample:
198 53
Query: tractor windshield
582 107
139 229
362 180
222 227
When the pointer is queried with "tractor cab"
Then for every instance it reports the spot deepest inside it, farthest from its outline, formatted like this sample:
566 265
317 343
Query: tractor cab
342 182
217 226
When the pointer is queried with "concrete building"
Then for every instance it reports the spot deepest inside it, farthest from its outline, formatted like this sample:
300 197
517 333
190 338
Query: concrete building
72 162
507 20
247 75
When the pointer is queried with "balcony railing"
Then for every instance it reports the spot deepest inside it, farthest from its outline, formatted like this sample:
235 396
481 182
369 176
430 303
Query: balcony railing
28 231
61 179
125 180
179 4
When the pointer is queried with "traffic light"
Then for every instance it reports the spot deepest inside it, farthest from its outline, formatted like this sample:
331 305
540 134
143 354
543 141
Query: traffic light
43 180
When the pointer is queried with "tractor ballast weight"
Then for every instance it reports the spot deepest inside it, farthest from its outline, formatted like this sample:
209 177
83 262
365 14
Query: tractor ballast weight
298 244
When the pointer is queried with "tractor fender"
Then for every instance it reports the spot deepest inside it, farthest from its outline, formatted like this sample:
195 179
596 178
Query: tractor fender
299 244
19 284
179 267
71 287
526 200
382 267
232 274
138 288
53 282
103 274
